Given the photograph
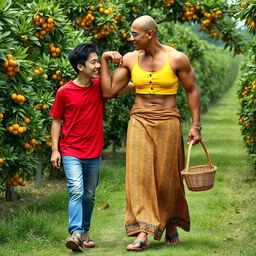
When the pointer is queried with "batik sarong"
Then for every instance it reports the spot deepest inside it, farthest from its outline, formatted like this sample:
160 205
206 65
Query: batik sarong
154 161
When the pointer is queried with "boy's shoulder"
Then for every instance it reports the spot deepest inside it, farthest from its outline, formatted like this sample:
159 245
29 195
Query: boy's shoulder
66 86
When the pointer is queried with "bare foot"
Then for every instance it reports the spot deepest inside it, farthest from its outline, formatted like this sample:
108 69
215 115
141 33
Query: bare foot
172 236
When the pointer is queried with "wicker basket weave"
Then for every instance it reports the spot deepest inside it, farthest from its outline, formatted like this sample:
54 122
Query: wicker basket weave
199 178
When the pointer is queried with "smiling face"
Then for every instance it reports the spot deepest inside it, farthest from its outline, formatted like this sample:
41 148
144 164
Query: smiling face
143 30
138 37
91 68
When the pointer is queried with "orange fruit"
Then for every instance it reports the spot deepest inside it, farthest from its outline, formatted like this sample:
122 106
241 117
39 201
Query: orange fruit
15 126
10 128
32 141
5 64
37 18
27 120
12 62
23 183
15 176
45 25
16 69
48 143
9 68
42 32
19 180
41 20
20 130
50 20
1 160
24 38
44 107
14 96
37 107
26 145
20 97
15 183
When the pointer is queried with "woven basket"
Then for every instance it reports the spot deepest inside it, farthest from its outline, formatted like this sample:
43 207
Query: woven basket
199 178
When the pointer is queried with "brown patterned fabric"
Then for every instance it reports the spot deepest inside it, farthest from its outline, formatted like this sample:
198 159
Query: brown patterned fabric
154 159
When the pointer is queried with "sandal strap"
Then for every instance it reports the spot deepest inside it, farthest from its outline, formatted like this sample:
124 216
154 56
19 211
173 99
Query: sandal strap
84 239
79 241
170 238
138 242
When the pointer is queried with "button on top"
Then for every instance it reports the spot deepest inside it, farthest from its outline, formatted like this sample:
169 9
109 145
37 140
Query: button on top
150 74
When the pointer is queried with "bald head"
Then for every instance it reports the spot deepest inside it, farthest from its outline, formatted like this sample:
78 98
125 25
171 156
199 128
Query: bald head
145 23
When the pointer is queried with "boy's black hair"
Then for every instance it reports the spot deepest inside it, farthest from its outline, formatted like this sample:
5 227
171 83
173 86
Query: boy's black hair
80 54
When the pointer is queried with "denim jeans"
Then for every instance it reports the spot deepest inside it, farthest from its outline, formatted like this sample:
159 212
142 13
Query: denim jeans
82 179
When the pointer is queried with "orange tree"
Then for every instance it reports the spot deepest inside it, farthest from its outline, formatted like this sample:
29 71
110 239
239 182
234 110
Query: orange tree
247 83
33 53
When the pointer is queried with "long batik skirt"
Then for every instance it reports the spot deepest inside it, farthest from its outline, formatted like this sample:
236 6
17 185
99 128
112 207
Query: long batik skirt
154 161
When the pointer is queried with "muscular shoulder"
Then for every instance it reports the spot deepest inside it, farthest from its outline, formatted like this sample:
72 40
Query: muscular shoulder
129 59
180 59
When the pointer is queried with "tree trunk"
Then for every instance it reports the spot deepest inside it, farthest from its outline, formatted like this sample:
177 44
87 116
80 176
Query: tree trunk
9 193
114 147
39 170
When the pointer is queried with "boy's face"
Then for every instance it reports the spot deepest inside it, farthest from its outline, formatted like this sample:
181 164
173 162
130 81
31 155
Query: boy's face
92 66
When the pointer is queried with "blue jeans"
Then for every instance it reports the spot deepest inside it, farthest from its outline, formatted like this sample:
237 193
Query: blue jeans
82 179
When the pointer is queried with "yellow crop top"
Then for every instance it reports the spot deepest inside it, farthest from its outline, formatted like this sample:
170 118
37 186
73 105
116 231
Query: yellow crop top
163 81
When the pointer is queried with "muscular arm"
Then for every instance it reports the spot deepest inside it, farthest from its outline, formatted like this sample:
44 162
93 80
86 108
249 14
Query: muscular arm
128 88
111 85
55 134
187 78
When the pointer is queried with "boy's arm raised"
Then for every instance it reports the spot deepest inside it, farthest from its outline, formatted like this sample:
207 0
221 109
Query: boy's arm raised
112 84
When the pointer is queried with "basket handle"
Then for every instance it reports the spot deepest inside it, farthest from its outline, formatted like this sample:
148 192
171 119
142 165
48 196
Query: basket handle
189 153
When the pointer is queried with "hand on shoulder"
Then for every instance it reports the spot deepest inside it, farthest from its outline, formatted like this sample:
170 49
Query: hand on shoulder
113 56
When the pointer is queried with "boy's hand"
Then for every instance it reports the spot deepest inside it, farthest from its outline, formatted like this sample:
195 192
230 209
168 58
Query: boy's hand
56 159
114 56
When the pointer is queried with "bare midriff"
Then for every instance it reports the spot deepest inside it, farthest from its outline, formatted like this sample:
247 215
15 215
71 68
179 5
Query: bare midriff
155 100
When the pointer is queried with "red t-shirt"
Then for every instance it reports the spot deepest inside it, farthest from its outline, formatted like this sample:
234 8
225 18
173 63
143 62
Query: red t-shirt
82 110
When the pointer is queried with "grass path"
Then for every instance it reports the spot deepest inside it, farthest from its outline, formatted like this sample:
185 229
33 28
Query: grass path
223 218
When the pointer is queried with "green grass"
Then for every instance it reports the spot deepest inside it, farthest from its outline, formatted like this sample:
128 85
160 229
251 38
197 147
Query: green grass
223 218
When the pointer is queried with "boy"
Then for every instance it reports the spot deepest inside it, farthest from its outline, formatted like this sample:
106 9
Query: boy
77 128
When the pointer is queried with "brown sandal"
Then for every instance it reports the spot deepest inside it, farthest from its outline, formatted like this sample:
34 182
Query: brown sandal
74 243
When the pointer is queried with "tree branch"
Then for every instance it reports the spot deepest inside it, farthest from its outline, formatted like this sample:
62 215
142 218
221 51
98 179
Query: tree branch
162 20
